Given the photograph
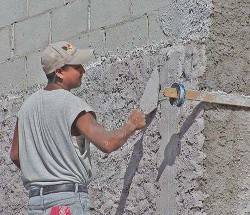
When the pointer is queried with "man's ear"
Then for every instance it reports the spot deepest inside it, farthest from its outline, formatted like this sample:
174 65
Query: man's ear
58 73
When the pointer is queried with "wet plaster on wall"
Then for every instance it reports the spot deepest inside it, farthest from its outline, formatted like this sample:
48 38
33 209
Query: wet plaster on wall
226 178
182 140
183 156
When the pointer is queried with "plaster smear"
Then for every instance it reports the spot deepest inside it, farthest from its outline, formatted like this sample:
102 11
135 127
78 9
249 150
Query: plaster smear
182 140
149 99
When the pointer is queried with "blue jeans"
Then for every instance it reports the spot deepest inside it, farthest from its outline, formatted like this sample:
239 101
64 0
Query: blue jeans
66 203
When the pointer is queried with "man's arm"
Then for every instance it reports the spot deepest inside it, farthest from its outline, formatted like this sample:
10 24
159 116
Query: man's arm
14 153
109 141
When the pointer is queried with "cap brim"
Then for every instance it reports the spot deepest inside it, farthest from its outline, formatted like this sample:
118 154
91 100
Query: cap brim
81 56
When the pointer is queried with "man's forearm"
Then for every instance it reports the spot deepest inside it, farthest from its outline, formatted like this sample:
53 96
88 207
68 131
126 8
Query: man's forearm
109 141
118 137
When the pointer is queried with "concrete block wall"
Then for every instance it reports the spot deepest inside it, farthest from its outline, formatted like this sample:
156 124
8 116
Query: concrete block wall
110 27
5 37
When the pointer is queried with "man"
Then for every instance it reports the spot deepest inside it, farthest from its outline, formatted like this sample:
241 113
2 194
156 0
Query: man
48 143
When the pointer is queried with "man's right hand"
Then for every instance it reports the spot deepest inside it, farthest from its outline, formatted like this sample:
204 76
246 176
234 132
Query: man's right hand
137 118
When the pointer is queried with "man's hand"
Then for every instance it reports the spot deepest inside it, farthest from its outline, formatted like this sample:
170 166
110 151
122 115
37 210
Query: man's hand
137 118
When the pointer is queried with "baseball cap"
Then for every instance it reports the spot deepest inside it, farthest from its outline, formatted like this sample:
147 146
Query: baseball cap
60 53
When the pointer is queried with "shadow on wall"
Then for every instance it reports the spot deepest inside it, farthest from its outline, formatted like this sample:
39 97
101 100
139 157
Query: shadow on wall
133 166
173 148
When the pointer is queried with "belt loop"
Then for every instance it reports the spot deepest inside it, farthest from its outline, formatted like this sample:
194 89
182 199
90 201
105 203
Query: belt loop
41 191
76 187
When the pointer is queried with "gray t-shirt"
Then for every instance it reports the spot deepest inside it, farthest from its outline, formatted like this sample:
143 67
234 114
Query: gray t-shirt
48 153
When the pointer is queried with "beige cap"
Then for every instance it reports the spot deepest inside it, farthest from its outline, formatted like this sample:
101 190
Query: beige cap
60 53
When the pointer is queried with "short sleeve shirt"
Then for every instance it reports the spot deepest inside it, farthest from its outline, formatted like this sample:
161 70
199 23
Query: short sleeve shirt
48 152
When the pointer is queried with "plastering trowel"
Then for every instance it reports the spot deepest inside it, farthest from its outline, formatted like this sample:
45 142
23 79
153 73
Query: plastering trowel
149 99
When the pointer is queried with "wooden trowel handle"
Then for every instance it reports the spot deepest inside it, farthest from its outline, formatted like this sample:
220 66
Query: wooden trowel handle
210 97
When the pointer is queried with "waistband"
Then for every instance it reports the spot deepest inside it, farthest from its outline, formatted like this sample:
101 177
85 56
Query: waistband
44 190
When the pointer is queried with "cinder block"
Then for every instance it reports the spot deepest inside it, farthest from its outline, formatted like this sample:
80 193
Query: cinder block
127 36
104 13
12 76
156 33
70 20
94 40
12 11
144 6
38 6
35 74
5 44
32 34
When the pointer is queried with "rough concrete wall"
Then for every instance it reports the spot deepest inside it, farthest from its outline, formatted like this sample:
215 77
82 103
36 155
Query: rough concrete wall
157 171
12 193
226 179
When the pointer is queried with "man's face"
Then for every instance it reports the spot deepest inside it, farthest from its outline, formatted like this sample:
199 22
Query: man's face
73 76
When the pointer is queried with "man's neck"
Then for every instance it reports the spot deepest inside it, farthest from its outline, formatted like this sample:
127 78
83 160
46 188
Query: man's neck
54 86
